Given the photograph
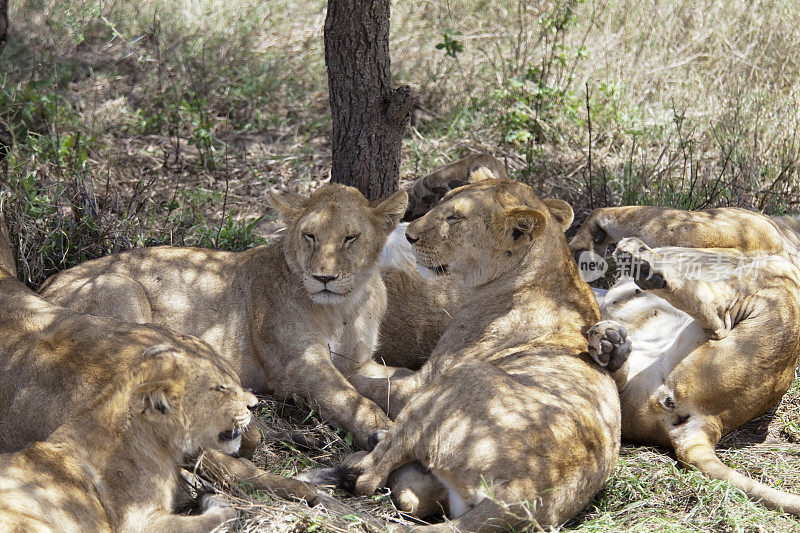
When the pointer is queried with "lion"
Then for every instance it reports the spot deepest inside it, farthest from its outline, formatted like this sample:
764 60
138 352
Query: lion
55 361
113 465
419 308
722 227
428 190
509 414
293 317
700 363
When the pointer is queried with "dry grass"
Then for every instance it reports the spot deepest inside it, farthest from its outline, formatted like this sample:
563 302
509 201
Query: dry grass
150 122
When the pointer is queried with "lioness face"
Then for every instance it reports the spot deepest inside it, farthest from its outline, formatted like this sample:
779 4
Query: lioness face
590 236
334 238
216 408
479 231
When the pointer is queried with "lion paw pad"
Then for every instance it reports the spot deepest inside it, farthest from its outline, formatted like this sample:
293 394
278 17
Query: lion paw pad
609 344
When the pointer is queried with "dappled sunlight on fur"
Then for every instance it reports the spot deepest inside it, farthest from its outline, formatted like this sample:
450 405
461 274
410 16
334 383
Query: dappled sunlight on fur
708 355
293 317
113 465
508 413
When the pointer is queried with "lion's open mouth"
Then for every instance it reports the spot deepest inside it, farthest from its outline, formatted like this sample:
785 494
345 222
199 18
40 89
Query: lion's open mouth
229 435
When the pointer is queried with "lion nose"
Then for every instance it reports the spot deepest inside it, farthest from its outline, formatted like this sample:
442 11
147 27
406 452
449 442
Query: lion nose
411 239
252 401
325 279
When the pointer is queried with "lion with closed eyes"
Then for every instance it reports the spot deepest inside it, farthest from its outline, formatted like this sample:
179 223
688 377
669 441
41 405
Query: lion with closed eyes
296 316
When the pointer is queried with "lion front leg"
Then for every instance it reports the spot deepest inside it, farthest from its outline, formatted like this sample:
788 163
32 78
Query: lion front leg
216 510
373 470
353 354
314 376
390 393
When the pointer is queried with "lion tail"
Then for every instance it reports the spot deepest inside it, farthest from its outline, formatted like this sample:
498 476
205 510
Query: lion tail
700 454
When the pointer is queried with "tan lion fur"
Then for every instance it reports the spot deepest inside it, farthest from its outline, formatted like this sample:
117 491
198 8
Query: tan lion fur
509 413
130 400
428 190
56 361
420 308
113 466
722 227
712 349
263 310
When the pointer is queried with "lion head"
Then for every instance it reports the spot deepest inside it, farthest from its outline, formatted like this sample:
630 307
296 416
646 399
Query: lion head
334 238
200 399
484 229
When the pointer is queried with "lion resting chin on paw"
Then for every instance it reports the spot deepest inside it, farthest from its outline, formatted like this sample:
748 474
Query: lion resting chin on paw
509 414
114 465
293 317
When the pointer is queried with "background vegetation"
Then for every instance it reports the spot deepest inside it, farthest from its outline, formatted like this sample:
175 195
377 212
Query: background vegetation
165 121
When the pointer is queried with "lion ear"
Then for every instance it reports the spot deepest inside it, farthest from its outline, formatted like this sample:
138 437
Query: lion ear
561 211
480 174
157 397
392 209
525 223
288 204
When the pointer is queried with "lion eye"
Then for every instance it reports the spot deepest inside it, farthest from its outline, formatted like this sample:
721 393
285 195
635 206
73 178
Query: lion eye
220 388
350 238
309 236
452 219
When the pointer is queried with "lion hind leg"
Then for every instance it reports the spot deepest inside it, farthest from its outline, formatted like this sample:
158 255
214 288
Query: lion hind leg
107 295
231 471
704 298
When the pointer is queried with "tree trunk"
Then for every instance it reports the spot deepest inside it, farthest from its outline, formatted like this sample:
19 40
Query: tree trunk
3 22
369 116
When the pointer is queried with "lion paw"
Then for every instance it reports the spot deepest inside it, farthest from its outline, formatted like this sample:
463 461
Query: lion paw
609 344
366 484
216 504
376 439
641 262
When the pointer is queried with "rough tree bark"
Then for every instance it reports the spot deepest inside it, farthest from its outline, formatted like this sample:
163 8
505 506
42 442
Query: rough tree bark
3 22
369 115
